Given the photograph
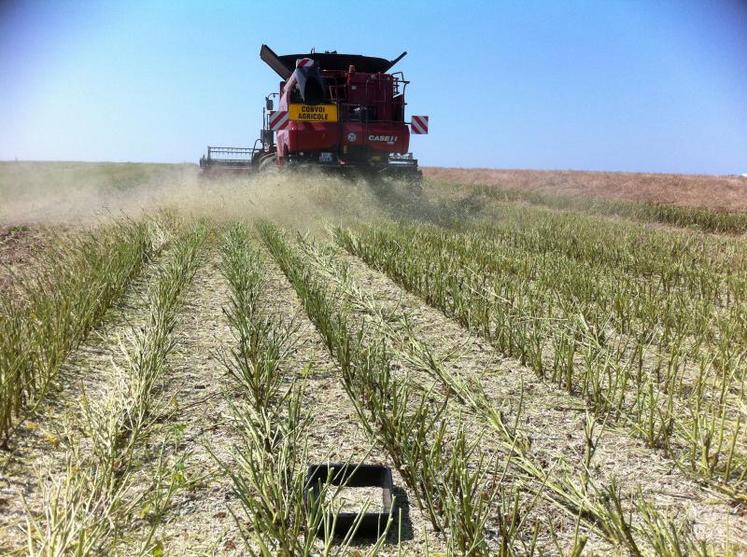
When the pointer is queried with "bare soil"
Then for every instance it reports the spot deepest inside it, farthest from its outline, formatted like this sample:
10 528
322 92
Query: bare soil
357 500
20 247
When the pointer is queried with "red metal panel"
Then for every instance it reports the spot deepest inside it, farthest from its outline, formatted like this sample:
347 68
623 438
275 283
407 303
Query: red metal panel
312 136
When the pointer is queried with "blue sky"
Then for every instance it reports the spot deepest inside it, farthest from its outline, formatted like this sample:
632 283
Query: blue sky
649 85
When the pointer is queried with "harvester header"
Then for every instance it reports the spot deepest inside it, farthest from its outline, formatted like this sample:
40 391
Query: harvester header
342 112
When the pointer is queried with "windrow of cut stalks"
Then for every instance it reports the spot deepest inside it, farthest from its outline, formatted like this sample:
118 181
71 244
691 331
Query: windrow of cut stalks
268 467
648 326
88 509
445 471
59 302
596 507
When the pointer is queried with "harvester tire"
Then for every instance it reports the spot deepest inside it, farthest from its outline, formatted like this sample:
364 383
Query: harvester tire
267 164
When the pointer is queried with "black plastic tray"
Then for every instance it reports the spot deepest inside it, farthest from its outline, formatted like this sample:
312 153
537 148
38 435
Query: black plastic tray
372 524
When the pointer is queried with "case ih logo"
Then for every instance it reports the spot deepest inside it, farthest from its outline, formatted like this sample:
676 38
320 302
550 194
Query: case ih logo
383 138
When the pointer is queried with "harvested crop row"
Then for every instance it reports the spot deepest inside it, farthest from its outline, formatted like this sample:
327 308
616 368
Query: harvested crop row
678 257
59 305
36 448
268 465
506 475
88 507
564 348
667 287
576 488
681 341
193 422
335 433
405 424
660 285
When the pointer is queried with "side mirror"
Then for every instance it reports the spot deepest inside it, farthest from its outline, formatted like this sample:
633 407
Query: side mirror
268 103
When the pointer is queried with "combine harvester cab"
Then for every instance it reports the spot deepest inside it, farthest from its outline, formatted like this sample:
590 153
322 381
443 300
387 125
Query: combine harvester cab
340 112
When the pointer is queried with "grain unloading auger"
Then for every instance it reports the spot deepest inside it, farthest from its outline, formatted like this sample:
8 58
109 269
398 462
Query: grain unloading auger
340 112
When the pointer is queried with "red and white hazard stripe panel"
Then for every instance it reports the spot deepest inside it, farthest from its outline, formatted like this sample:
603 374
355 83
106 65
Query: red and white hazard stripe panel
419 124
278 120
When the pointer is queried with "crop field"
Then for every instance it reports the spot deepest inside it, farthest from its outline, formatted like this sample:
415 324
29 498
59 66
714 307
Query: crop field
545 373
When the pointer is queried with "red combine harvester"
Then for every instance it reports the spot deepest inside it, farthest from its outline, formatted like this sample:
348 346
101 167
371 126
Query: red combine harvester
343 112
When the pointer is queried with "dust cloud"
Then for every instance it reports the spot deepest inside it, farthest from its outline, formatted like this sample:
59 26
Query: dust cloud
88 193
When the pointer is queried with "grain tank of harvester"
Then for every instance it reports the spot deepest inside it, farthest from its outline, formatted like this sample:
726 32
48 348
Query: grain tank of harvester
341 112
